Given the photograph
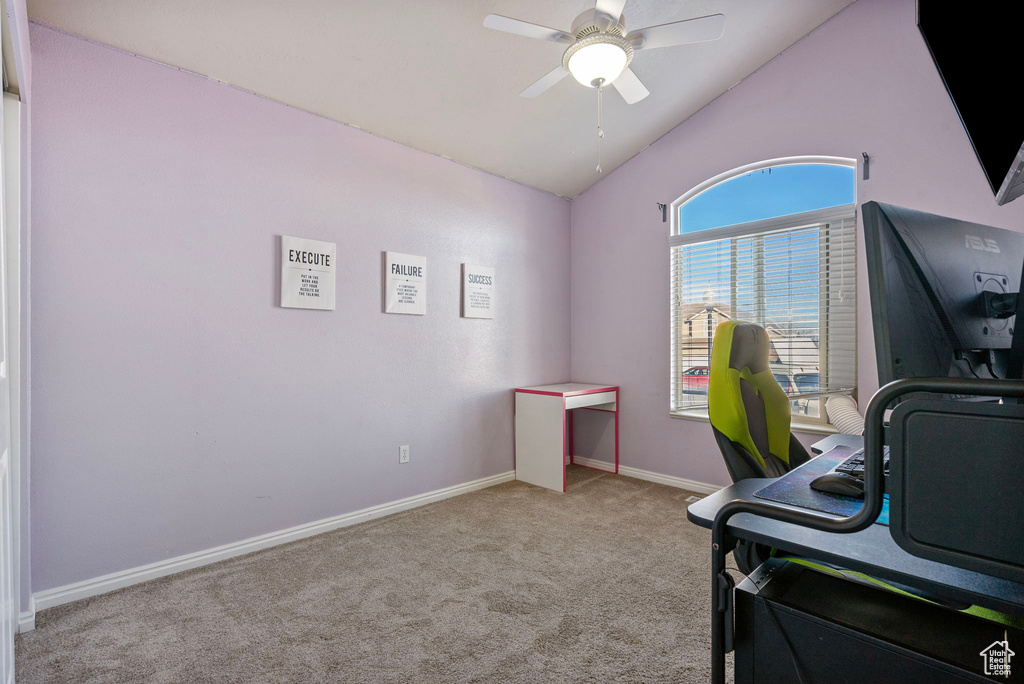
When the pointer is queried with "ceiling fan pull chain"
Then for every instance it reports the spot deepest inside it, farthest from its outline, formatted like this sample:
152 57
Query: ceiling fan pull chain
600 130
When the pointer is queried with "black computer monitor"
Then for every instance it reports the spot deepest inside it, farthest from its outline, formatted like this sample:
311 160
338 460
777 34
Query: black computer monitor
943 295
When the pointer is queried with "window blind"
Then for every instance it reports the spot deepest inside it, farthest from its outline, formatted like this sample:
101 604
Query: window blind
795 276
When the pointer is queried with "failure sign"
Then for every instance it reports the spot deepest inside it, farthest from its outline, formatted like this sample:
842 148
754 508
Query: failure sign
405 284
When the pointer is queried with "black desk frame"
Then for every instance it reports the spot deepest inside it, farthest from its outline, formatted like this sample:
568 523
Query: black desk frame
722 542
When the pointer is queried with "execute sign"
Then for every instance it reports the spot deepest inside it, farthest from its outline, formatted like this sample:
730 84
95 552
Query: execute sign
307 273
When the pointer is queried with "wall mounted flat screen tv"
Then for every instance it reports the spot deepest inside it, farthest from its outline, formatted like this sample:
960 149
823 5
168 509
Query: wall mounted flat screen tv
977 51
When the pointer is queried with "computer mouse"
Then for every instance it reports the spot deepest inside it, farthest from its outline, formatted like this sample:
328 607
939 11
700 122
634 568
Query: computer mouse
839 483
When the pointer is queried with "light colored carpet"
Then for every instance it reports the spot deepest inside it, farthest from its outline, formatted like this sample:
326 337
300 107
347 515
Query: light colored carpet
606 583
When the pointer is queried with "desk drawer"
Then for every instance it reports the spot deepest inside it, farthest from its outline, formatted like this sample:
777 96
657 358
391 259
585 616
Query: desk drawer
581 400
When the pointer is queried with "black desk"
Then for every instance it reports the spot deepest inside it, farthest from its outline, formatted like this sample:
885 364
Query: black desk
871 551
734 514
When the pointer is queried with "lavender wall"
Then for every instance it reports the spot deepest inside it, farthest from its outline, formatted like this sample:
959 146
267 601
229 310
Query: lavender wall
175 407
863 82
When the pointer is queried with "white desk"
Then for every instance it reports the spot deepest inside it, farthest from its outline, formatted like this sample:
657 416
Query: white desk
544 428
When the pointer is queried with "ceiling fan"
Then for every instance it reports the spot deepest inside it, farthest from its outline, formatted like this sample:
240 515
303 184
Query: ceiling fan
600 50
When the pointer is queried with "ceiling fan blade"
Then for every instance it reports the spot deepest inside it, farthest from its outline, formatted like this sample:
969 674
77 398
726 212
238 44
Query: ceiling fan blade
525 28
611 8
546 81
696 30
630 87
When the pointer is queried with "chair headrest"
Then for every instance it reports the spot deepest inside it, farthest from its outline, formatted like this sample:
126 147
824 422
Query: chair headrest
750 348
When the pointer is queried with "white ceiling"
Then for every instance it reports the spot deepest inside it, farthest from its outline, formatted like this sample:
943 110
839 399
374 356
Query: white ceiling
429 75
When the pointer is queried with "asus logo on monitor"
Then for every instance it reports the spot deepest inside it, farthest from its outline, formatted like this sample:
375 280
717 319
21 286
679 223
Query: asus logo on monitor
975 242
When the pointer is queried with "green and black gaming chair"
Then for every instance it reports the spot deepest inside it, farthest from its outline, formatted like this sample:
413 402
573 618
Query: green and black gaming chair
749 411
750 415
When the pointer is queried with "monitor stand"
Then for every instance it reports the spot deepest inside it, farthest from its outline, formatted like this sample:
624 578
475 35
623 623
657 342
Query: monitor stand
1015 367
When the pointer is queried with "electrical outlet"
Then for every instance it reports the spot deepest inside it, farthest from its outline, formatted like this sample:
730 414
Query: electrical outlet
403 454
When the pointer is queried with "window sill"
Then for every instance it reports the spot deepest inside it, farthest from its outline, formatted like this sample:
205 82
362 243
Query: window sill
795 426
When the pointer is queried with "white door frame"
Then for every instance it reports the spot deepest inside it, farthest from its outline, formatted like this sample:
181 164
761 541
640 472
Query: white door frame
16 60
12 254
9 551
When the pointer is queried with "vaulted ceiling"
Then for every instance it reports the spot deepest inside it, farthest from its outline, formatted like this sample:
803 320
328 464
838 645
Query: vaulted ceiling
431 76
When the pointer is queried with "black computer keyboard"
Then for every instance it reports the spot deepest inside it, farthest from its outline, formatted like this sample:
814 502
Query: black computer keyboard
853 465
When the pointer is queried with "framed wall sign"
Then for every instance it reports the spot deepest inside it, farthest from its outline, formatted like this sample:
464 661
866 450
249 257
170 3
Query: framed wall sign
307 273
477 291
405 284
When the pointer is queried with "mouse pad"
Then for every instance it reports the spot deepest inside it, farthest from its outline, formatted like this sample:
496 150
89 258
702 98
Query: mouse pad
794 488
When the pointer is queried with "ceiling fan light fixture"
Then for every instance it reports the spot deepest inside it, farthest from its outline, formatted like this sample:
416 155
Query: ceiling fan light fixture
598 59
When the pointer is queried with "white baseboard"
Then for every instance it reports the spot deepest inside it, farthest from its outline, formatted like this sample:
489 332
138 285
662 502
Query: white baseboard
670 480
123 578
594 463
27 619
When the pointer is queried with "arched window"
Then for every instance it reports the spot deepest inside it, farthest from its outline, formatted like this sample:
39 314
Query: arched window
771 243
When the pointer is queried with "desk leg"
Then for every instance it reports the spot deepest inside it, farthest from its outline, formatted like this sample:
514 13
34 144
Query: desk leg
572 432
722 626
541 434
616 438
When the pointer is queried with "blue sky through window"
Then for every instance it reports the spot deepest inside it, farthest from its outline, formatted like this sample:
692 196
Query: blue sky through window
768 193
